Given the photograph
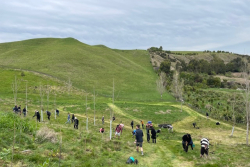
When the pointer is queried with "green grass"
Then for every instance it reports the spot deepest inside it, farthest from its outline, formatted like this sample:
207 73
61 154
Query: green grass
136 99
87 66
102 152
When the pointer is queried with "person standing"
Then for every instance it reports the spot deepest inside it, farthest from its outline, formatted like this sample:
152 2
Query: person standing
73 118
139 138
148 134
132 124
142 124
68 119
24 112
204 147
102 119
76 123
194 124
153 133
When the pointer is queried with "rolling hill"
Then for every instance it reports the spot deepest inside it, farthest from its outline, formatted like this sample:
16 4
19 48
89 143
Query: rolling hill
51 61
83 64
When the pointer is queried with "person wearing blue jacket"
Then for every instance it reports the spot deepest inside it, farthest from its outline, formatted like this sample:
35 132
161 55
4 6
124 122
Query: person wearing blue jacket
68 120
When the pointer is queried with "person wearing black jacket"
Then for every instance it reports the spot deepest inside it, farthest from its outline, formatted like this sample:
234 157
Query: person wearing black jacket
15 109
48 114
148 134
37 114
153 133
132 124
186 141
207 114
76 123
19 109
73 118
24 112
139 138
57 112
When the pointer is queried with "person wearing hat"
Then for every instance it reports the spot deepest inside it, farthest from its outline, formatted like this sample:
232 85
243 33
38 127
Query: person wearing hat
76 123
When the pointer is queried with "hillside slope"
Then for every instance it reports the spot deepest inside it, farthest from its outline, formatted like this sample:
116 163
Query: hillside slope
87 66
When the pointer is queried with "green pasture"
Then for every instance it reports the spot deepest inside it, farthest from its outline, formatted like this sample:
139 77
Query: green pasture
51 62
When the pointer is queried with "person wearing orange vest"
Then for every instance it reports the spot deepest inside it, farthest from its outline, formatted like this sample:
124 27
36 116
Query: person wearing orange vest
142 124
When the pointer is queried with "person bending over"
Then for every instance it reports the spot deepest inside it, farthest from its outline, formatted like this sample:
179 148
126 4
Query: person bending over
102 130
118 131
186 141
204 147
48 114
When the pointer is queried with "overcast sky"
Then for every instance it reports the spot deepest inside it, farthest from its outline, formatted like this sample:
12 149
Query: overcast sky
131 24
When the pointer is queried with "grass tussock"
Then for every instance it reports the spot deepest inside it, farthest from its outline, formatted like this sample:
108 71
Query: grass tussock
46 135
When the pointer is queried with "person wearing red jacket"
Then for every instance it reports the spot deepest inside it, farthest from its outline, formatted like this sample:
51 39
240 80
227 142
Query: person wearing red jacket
118 131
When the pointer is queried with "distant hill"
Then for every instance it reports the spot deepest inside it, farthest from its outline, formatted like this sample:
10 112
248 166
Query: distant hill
87 66
158 56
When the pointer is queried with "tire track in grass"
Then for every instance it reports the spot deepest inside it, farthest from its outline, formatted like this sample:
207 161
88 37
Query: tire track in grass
195 114
164 151
120 112
217 135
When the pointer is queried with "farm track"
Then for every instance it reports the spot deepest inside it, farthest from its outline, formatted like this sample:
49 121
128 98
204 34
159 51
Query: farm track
164 154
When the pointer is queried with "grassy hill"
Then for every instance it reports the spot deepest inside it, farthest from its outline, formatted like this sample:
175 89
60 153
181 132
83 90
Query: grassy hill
51 62
86 66
89 148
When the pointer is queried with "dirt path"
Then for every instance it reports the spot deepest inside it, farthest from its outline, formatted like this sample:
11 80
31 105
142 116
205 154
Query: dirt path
166 155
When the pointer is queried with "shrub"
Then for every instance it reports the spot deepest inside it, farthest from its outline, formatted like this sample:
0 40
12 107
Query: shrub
45 134
22 74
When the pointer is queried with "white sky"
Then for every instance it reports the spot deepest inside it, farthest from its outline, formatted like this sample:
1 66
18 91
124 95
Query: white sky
132 24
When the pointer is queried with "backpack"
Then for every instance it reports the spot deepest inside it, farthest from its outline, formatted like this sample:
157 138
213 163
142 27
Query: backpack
130 161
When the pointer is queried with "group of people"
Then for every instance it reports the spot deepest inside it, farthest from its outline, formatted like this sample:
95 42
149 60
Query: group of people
18 110
137 133
187 141
73 120
38 115
132 124
153 133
